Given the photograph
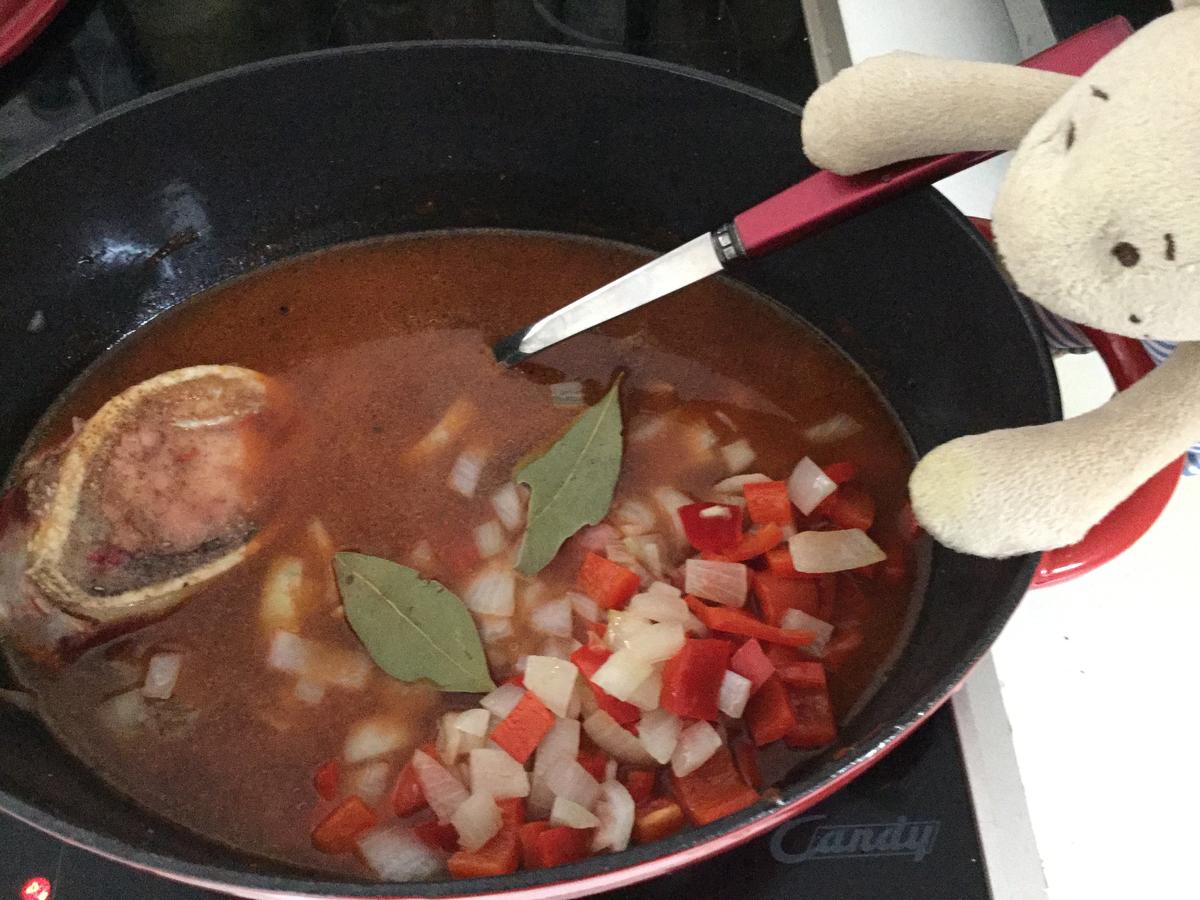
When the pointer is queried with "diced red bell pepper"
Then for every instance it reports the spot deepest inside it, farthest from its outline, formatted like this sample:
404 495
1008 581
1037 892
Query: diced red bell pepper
840 472
750 662
596 629
769 714
691 679
517 678
844 643
850 506
814 723
326 780
337 831
609 584
543 846
512 812
740 622
714 790
781 656
777 594
499 856
640 783
407 796
804 674
767 502
594 762
711 527
894 569
523 729
437 836
656 820
753 543
745 754
779 562
588 659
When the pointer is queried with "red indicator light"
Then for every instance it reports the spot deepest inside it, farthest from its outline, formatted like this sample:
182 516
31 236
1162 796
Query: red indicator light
36 889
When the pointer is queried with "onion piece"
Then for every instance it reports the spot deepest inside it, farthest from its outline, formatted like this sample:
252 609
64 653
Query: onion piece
658 733
509 506
553 618
443 791
658 606
837 427
564 812
373 737
397 854
634 517
552 681
567 393
422 556
734 483
648 551
647 429
503 700
695 627
558 648
477 820
370 782
734 694
646 697
494 628
726 583
808 485
596 537
310 692
280 592
833 551
474 722
798 620
615 811
585 607
489 539
289 653
620 554
317 662
615 740
572 781
697 743
738 456
621 674
495 773
559 746
492 593
610 771
622 626
669 500
457 416
161 674
656 643
464 474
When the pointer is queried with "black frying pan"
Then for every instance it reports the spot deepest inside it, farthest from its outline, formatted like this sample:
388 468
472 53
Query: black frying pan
195 185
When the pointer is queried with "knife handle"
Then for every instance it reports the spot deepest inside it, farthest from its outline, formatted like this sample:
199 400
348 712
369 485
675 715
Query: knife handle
824 199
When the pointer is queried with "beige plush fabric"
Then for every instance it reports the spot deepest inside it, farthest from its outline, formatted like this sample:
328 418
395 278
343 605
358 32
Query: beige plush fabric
1098 220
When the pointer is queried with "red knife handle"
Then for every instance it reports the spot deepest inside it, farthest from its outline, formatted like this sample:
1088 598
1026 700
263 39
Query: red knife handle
824 199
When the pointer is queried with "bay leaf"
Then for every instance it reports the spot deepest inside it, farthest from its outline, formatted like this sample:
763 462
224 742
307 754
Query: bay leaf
412 628
571 484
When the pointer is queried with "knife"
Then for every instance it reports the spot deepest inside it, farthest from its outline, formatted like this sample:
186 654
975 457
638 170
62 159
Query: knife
814 204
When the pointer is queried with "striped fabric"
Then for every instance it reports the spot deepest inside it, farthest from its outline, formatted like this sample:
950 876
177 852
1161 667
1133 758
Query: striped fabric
1066 337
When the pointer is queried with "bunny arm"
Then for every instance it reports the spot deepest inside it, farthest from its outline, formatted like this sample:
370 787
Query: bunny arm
905 106
1028 489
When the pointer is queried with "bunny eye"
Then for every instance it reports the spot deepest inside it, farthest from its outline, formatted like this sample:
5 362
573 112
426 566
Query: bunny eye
1070 135
1099 94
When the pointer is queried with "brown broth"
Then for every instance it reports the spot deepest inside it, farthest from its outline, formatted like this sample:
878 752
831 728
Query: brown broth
376 341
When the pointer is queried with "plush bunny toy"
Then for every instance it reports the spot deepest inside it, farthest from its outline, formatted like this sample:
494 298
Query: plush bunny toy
1098 220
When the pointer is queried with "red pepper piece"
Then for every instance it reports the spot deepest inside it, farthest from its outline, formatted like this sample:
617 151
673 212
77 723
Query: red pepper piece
745 754
894 570
844 643
740 622
640 783
714 790
326 780
750 662
499 856
407 796
805 674
609 584
437 836
691 679
777 594
767 502
656 820
779 562
546 847
527 836
752 544
840 472
850 506
594 762
337 831
512 812
523 728
814 723
711 527
769 714
588 659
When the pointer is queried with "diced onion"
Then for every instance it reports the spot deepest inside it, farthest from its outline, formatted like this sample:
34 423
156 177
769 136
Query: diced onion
702 439
464 474
566 393
808 485
837 427
697 743
473 722
658 732
619 553
280 592
585 607
422 555
734 694
397 854
289 653
695 627
798 620
443 792
508 506
615 740
622 626
659 607
161 674
125 713
615 810
634 517
734 483
477 820
454 742
494 628
621 674
370 782
738 456
726 583
567 813
310 692
489 539
571 780
669 501
492 593
317 662
374 737
596 538
552 681
558 747
503 700
648 551
833 551
657 643
610 771
452 423
557 648
553 618
497 774
647 695
647 429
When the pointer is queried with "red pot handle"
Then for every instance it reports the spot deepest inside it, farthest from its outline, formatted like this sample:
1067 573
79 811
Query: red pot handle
1127 361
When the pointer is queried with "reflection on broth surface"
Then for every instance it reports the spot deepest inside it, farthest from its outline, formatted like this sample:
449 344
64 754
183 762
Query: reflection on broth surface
404 439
